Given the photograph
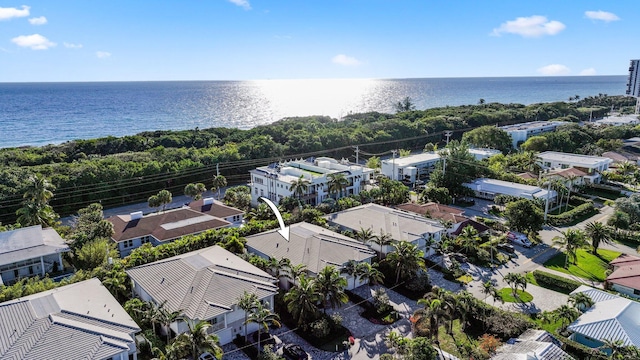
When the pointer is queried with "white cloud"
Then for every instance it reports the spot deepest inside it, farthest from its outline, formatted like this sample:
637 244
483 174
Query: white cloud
38 21
345 60
532 26
589 71
72 46
601 15
102 54
34 42
242 3
554 69
9 13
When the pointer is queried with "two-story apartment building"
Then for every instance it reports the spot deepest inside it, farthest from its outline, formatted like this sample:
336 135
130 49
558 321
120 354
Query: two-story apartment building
30 251
484 188
77 321
204 285
400 225
591 165
521 132
274 181
134 230
312 246
409 168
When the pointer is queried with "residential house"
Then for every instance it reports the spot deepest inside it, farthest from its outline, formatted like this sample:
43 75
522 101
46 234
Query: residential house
611 317
452 218
483 153
591 165
77 321
488 189
133 230
622 156
618 120
521 132
625 277
410 168
312 246
570 177
532 345
204 285
274 181
400 225
30 251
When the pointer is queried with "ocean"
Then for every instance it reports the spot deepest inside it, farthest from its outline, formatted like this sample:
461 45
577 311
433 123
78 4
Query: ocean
52 113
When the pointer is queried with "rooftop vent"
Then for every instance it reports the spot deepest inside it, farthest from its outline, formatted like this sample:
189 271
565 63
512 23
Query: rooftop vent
207 201
136 215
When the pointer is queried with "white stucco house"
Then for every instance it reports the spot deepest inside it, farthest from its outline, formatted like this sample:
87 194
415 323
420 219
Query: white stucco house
591 165
521 132
204 285
411 167
30 251
274 181
488 189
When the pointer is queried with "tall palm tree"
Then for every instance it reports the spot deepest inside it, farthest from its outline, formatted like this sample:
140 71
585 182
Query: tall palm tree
468 238
301 301
264 317
279 268
435 313
572 179
351 269
197 341
369 273
33 213
487 288
382 240
572 240
530 161
447 305
247 302
152 314
330 285
38 189
364 235
581 301
566 315
464 303
515 280
295 271
166 318
407 259
299 188
616 347
337 183
598 234
116 282
219 182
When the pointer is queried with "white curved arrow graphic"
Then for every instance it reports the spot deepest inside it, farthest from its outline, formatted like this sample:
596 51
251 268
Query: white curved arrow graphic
284 230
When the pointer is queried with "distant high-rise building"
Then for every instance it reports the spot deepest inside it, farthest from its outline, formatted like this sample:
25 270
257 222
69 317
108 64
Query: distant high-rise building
633 83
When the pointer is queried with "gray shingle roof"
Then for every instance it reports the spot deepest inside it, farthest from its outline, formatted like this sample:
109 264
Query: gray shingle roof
28 243
538 343
311 245
401 225
77 321
202 284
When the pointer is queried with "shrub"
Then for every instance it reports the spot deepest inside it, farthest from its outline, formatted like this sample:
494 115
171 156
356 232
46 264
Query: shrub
553 281
571 216
381 301
419 283
336 318
320 328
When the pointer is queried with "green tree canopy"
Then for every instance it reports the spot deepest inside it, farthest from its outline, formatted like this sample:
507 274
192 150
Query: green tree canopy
488 137
524 215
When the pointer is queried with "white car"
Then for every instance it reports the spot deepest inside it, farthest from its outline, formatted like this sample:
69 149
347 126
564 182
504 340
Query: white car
519 238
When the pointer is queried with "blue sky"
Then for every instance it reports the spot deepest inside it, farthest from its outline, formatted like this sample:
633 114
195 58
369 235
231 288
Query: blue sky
115 40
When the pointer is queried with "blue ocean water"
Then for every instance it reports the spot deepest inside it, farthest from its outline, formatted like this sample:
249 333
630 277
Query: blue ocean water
51 113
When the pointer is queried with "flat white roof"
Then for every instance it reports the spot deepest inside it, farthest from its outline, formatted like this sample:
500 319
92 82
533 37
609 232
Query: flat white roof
532 125
483 151
623 119
509 188
577 159
414 159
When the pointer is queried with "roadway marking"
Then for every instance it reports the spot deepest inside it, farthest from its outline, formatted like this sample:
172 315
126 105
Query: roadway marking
536 255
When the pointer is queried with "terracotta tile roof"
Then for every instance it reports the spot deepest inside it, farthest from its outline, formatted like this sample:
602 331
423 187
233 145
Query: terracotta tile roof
626 275
527 176
625 259
476 225
433 209
565 173
165 225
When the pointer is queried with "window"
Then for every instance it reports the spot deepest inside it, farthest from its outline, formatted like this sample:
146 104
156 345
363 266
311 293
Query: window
256 191
30 270
145 239
636 292
213 321
127 243
15 274
261 192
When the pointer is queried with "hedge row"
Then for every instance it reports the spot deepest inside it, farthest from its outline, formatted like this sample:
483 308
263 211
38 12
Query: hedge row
576 200
555 282
580 351
569 217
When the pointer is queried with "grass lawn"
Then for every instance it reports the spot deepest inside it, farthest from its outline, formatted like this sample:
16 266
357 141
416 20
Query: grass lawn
465 279
448 343
588 266
561 209
603 194
507 295
551 327
531 279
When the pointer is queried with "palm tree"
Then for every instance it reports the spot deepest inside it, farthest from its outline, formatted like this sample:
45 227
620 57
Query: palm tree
382 240
566 315
116 282
530 161
407 259
264 317
38 189
247 302
572 240
598 234
197 341
571 178
299 188
464 303
515 280
351 269
615 346
219 182
487 288
337 183
435 312
301 301
627 167
295 271
369 273
330 285
364 235
468 238
166 318
279 268
581 301
195 191
32 213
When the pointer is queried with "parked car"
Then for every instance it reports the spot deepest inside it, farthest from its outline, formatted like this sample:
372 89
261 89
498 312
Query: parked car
507 248
295 352
519 238
207 356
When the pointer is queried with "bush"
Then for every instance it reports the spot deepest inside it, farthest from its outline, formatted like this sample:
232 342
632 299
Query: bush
576 200
503 199
555 282
419 283
580 351
320 328
503 324
381 301
571 216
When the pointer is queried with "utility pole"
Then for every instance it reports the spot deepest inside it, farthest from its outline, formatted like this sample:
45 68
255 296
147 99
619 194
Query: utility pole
393 173
357 155
448 134
217 170
546 205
